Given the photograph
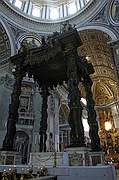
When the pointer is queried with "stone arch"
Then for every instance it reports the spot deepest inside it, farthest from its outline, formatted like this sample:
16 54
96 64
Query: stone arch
29 38
63 113
10 36
109 31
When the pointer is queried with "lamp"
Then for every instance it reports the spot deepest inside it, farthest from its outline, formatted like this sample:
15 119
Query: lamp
108 125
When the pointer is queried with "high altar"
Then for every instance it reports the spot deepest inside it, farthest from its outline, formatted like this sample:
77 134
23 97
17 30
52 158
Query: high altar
54 62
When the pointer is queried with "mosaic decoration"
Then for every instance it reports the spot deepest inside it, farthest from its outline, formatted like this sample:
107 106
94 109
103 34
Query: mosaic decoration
30 42
115 11
101 17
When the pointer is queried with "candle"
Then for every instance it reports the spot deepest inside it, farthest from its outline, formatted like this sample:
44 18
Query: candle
43 138
35 139
39 138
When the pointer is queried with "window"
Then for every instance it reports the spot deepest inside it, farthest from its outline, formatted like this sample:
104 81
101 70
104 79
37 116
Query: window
11 1
54 13
36 11
18 4
72 8
82 3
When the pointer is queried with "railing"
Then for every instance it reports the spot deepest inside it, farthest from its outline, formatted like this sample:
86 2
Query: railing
12 174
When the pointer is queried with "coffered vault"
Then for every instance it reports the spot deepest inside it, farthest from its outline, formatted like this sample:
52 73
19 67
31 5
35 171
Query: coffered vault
96 50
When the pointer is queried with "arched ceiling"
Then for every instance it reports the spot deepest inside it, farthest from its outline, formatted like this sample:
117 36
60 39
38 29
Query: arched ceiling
96 50
5 50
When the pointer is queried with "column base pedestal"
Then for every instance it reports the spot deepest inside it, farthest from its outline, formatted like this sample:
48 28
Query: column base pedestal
96 158
78 156
72 156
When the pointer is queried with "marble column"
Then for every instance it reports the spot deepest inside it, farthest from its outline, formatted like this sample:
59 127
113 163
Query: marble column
13 110
75 115
43 122
56 121
93 125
